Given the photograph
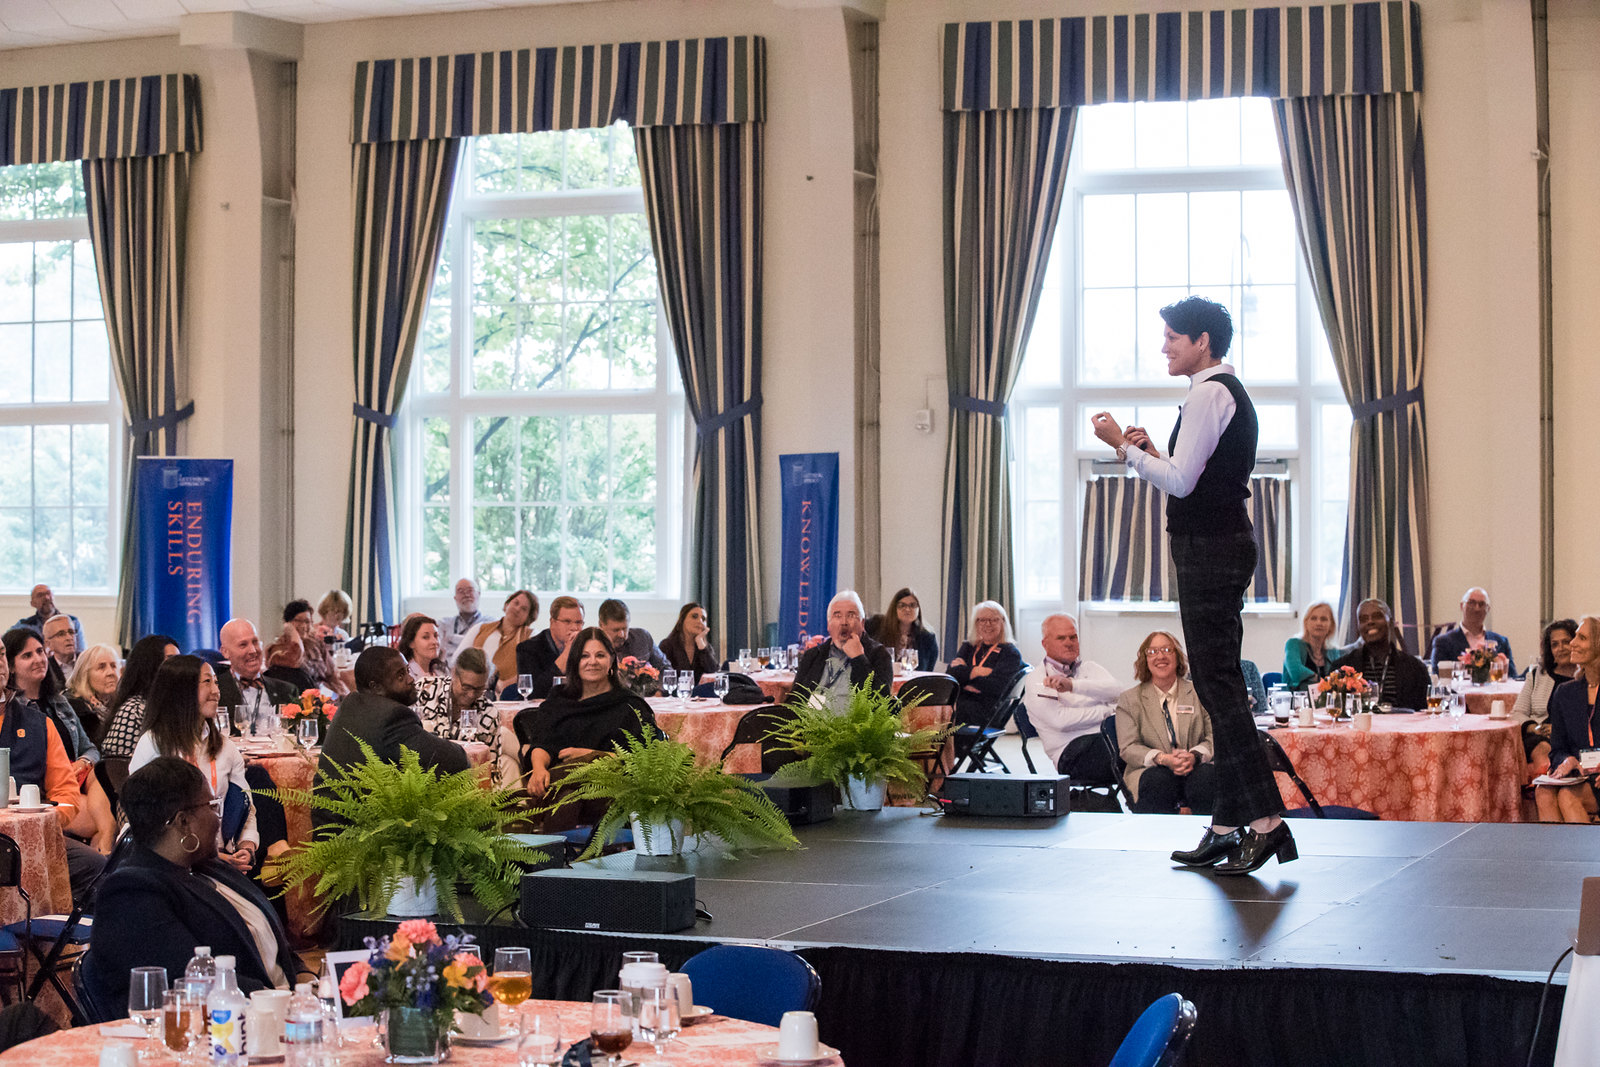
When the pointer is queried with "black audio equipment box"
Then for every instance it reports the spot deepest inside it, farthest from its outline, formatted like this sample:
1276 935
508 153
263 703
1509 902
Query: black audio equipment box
594 898
800 804
1042 796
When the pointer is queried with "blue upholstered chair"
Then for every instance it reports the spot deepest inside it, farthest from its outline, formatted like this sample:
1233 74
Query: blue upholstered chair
1159 1035
753 983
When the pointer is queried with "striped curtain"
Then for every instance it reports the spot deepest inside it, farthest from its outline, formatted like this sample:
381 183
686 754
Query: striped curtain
1004 174
401 192
1355 175
702 187
1125 542
134 137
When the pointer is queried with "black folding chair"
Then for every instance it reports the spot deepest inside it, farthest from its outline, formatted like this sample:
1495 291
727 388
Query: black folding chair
1280 763
754 727
1108 734
12 959
937 690
975 742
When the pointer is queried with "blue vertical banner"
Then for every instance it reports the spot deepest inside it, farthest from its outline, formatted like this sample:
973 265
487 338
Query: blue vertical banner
183 547
810 543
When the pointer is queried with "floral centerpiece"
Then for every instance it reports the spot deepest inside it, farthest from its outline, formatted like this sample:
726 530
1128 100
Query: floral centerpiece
313 705
1346 681
640 678
1479 662
421 980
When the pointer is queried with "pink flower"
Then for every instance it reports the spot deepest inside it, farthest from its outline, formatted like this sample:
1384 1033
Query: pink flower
353 986
419 932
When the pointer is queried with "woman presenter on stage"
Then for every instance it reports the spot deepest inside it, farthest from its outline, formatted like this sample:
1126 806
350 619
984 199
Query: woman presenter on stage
1206 476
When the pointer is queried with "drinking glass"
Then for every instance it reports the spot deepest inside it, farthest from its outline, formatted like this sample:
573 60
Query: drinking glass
658 1016
685 685
911 659
1456 709
524 685
719 684
180 1025
669 682
1437 695
307 729
608 1025
512 980
466 729
541 1039
763 657
744 660
237 719
1497 671
147 989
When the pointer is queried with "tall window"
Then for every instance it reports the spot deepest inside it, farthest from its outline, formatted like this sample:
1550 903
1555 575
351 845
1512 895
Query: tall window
1169 199
60 437
547 436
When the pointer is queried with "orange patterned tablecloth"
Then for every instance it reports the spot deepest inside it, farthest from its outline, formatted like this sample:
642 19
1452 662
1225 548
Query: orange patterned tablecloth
44 864
294 770
1426 768
1480 698
717 1042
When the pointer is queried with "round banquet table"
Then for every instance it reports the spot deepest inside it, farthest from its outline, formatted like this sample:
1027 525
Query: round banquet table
1480 698
716 1042
44 864
295 769
1426 768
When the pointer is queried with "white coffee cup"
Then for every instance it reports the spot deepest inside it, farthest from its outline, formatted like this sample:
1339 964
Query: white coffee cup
118 1054
1307 715
683 989
29 797
797 1036
1362 720
1497 710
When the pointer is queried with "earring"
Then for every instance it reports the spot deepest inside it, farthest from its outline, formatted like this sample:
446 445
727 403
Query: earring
191 849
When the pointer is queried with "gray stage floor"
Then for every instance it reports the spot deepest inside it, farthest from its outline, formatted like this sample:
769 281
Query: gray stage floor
1391 896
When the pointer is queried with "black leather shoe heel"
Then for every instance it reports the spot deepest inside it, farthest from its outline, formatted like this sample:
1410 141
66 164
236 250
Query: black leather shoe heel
1258 848
1212 847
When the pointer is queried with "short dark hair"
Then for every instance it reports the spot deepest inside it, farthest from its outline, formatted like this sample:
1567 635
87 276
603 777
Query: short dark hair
473 661
1195 315
573 685
296 607
1547 658
372 664
613 610
155 793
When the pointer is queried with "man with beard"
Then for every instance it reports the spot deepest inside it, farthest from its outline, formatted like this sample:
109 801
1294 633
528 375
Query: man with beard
1399 677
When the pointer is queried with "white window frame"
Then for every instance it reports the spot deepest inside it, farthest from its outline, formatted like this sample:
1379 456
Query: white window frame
1071 398
462 404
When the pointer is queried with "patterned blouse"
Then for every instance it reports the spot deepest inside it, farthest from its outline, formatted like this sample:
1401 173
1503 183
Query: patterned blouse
435 708
125 729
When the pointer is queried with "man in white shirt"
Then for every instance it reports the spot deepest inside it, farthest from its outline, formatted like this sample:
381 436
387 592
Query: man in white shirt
1067 698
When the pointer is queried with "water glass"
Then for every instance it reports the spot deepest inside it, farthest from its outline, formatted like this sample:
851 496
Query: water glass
540 1045
237 719
685 684
524 685
744 660
307 729
719 684
658 1016
669 682
1456 709
147 991
794 657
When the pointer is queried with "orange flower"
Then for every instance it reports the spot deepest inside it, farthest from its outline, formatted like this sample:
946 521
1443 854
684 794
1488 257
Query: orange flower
456 973
399 949
419 931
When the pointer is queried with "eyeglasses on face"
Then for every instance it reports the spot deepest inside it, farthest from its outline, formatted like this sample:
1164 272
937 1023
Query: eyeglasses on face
215 804
1159 650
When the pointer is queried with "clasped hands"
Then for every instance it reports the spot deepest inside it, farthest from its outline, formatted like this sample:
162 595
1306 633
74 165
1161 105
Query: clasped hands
1181 762
1105 428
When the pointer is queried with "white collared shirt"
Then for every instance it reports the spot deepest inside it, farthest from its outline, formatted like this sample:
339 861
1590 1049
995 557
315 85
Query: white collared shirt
1206 413
1060 718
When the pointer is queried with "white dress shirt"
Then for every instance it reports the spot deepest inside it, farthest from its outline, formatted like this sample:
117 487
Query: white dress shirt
1206 412
1060 718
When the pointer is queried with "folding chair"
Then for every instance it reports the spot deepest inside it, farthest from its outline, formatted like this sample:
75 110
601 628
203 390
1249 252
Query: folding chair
940 691
1280 763
13 963
754 727
1108 734
975 743
1272 678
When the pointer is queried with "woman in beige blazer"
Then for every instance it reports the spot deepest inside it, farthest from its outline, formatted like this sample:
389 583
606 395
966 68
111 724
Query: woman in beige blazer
1164 734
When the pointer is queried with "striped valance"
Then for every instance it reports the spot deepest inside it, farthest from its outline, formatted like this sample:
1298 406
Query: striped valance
1322 50
700 81
1125 545
155 115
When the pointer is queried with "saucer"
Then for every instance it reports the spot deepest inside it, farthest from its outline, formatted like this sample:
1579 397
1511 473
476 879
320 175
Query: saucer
487 1040
29 808
769 1055
699 1013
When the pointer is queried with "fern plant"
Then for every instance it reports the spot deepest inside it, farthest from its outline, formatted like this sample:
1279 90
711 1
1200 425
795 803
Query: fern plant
404 820
657 780
867 739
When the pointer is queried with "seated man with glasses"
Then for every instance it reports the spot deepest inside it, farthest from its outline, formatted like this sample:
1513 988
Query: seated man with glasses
831 668
1164 735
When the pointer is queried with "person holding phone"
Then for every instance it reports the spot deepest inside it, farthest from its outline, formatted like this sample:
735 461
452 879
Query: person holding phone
1573 730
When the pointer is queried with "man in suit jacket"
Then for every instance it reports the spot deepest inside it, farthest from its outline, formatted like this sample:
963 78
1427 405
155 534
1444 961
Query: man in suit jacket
847 658
1470 633
240 682
544 655
1164 734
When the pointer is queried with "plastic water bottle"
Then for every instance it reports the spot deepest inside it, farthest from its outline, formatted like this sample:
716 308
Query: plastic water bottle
328 1000
201 967
226 1007
302 1029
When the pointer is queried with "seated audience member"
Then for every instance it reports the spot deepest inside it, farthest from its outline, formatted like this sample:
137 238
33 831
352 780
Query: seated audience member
244 683
1400 678
172 892
91 686
1067 699
333 612
688 647
846 659
1572 729
588 713
1309 655
39 758
628 640
181 721
44 608
125 714
1164 734
1531 709
1470 633
442 704
286 660
419 644
454 628
316 659
544 655
61 643
900 627
984 664
498 638
33 686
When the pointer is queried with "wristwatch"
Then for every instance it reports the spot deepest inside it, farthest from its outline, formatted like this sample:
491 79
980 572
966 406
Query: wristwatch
1122 453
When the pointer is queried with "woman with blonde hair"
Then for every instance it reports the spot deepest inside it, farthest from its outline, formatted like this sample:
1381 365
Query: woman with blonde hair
333 611
985 664
1308 656
1164 734
92 685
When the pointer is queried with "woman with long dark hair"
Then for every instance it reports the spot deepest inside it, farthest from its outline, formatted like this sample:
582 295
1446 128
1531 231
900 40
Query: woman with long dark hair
900 627
1532 708
125 714
419 644
688 646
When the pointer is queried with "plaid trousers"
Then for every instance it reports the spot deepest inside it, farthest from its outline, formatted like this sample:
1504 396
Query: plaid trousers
1213 573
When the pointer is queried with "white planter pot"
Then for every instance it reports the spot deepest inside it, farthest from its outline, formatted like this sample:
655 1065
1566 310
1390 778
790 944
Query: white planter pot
664 839
412 901
863 795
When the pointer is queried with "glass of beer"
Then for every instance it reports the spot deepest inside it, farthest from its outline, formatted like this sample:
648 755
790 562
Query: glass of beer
609 1028
1437 695
1497 671
512 981
180 1012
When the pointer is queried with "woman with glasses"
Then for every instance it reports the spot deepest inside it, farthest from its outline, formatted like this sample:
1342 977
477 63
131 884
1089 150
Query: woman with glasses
985 664
172 892
1164 735
900 627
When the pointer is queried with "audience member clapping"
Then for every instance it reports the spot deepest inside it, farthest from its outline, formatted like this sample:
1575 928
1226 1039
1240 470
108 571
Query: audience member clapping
1531 709
1308 656
1573 730
125 712
1398 677
900 627
985 664
847 658
687 646
1164 734
286 660
498 638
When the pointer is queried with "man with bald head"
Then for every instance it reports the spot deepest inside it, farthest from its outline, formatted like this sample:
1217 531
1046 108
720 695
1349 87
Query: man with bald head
847 658
241 682
1067 699
44 608
1470 633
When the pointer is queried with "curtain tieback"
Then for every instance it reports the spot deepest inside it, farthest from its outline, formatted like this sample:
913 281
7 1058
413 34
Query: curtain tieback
723 420
374 416
1394 402
978 406
156 423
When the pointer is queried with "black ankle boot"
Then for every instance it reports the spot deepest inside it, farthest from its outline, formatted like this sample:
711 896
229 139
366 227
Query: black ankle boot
1212 847
1258 848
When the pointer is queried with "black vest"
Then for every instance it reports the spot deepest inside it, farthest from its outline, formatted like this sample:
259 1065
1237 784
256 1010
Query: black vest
1216 505
24 732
